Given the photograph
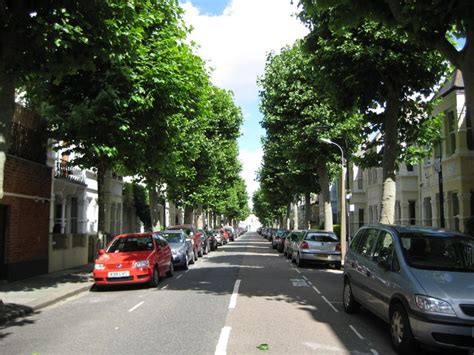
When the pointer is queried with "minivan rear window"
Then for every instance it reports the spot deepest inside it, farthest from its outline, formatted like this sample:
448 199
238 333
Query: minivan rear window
445 253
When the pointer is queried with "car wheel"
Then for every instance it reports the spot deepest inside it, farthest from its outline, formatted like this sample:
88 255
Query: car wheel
170 271
348 301
337 265
195 255
155 278
402 338
299 262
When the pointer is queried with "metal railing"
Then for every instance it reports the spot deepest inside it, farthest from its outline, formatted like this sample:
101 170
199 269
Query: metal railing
66 170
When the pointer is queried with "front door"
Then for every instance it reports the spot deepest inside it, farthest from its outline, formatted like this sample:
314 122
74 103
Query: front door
3 240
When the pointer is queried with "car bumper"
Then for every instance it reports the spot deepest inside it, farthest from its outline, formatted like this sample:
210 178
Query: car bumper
320 257
179 260
135 276
443 335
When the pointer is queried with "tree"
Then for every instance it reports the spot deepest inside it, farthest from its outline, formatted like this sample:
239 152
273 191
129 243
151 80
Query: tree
137 83
296 114
371 67
432 24
51 38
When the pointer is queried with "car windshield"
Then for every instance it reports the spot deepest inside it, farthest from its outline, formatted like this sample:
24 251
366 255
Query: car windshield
129 244
281 233
425 251
172 237
317 237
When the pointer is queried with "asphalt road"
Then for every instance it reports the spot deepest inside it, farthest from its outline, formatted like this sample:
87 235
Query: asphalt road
242 299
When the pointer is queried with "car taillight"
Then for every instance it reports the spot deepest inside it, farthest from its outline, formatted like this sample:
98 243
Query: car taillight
338 247
304 245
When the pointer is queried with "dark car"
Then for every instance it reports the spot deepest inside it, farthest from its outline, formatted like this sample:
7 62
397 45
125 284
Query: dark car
206 247
211 237
181 247
281 242
277 236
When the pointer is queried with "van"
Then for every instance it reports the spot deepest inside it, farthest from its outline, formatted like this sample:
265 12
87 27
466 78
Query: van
420 280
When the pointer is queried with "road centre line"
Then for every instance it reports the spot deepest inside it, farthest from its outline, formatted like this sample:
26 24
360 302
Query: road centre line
135 307
221 348
314 288
299 272
373 351
178 277
304 277
356 332
330 304
235 293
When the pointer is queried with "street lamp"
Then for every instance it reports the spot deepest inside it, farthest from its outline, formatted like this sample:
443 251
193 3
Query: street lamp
342 197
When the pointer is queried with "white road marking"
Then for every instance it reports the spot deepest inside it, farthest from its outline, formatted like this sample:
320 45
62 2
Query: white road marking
221 348
298 283
304 277
135 307
373 351
314 288
330 304
164 287
186 271
310 283
317 346
356 332
116 328
299 272
235 293
178 277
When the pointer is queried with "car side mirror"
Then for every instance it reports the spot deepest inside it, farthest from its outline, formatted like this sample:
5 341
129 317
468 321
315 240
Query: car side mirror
101 251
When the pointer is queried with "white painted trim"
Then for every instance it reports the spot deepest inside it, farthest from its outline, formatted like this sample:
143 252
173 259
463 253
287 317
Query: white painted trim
29 197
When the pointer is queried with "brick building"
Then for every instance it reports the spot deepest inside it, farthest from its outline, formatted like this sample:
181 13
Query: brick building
24 210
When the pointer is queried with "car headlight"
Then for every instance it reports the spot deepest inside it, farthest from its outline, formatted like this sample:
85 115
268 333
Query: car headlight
99 267
433 305
141 264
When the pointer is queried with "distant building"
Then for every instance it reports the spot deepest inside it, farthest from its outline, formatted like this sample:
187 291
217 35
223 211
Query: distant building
251 223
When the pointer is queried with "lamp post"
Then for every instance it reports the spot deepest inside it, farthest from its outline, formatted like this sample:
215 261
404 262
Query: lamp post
342 198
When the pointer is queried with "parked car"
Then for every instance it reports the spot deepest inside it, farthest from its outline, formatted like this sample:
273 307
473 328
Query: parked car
230 232
212 237
206 247
318 247
195 236
291 242
224 236
133 258
279 233
181 247
418 279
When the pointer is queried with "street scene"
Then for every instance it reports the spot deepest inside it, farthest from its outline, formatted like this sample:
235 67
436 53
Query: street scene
237 177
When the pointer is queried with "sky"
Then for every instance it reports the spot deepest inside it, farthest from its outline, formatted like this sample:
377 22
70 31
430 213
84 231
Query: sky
235 37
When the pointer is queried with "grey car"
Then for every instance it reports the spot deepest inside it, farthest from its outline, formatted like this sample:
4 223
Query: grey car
181 247
318 247
420 280
291 242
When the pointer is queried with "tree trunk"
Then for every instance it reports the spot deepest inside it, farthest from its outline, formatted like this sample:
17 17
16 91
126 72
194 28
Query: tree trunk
155 210
101 228
325 197
188 215
295 216
7 110
288 212
390 131
307 209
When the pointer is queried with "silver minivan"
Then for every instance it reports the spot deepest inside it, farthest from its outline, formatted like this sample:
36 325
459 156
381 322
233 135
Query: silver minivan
418 279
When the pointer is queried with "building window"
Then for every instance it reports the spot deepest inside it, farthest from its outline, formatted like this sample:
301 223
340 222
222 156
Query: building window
451 133
427 211
409 167
469 133
455 201
360 180
361 217
74 215
412 212
371 215
398 212
58 218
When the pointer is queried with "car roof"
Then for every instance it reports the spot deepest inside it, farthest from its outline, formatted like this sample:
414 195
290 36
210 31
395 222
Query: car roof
181 226
319 231
125 235
170 231
413 229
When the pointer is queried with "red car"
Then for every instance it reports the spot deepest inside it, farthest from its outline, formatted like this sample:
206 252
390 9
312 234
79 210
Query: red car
225 236
195 236
134 258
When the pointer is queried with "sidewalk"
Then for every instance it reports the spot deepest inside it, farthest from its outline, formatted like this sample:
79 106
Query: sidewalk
24 297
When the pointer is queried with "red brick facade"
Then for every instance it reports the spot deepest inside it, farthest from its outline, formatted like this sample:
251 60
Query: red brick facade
25 208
